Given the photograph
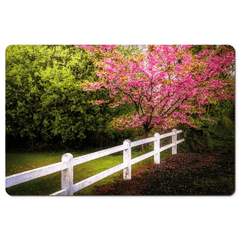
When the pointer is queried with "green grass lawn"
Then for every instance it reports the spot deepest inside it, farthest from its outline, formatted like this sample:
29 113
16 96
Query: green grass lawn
20 162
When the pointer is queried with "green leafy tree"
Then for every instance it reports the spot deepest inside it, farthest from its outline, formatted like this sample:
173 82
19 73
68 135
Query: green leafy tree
45 105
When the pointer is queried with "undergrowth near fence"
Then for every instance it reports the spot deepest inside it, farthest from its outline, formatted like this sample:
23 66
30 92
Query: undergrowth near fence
20 162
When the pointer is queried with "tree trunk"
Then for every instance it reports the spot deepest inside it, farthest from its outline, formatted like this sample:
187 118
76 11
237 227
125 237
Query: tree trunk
144 146
32 143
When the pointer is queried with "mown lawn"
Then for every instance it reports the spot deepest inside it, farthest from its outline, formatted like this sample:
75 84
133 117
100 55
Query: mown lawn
20 162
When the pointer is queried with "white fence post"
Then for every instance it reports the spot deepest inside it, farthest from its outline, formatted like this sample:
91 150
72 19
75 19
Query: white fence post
67 174
127 159
68 162
157 148
174 140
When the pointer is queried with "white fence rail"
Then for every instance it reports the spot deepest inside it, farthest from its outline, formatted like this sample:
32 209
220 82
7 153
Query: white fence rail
68 162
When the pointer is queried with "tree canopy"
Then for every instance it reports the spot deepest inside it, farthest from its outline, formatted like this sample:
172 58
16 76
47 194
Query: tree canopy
45 106
167 86
132 88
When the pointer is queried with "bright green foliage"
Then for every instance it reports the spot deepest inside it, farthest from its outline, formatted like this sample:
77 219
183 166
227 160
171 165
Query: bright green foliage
46 107
128 50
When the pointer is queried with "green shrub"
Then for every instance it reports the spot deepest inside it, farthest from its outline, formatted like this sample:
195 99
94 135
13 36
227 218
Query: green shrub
45 106
217 136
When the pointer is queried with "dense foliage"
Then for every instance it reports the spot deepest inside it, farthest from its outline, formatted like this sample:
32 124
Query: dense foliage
217 136
45 106
168 85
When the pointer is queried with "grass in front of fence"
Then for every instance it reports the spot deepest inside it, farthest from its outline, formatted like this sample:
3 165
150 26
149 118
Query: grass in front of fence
20 162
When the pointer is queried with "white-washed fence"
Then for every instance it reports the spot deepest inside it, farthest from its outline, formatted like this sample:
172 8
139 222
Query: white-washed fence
68 162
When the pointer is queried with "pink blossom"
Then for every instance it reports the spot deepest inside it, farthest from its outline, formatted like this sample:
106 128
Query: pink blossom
179 68
161 98
187 57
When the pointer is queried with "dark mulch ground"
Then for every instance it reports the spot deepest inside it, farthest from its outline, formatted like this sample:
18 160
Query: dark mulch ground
181 174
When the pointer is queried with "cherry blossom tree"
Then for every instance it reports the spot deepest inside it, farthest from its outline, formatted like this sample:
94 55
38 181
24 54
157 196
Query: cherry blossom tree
167 85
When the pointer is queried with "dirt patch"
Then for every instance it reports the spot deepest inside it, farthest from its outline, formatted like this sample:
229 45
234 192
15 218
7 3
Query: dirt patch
180 174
